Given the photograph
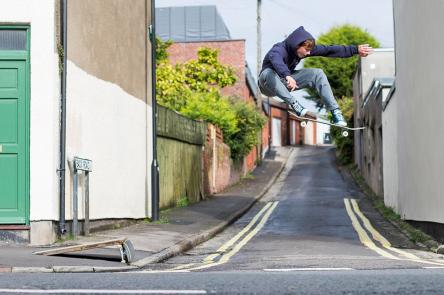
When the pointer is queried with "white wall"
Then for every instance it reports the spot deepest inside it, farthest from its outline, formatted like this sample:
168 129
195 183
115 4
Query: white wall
321 130
43 100
108 126
309 133
390 153
419 64
105 124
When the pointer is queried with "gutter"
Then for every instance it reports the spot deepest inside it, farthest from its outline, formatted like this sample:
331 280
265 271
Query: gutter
61 170
154 164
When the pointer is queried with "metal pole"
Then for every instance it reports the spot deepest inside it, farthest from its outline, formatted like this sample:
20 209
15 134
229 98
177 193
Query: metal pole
75 205
259 41
86 187
154 165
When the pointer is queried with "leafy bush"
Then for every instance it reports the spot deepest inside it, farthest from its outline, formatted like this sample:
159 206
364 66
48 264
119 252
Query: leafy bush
175 84
344 145
171 88
249 122
213 108
239 121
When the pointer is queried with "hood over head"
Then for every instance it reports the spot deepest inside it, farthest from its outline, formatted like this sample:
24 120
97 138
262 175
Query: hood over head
297 37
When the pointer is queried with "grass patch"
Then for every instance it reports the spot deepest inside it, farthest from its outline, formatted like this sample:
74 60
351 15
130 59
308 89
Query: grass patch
163 218
182 202
248 176
67 237
414 234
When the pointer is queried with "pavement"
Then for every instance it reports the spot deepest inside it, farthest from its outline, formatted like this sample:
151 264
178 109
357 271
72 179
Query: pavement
179 230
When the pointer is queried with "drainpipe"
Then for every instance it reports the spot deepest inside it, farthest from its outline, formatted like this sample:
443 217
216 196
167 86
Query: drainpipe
154 165
63 19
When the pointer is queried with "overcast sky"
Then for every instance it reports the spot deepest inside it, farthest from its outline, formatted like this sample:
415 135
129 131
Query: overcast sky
281 17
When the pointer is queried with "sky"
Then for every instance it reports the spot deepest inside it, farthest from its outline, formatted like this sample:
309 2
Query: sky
281 17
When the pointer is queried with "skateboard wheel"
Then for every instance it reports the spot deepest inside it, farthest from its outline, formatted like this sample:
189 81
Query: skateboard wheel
128 251
303 124
345 133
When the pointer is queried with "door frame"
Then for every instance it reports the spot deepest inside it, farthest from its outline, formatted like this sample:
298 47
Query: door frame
26 56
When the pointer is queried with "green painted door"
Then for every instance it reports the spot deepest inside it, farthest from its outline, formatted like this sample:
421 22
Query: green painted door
13 135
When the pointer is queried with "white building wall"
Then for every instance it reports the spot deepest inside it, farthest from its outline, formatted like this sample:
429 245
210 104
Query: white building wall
390 153
420 101
108 126
44 103
321 130
309 133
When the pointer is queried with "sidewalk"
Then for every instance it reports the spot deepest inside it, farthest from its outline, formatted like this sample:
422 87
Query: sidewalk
180 230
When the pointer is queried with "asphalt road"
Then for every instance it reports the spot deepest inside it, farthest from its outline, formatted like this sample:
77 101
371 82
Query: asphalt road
306 236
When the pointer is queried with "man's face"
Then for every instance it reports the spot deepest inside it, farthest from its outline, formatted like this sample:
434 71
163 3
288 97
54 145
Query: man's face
302 51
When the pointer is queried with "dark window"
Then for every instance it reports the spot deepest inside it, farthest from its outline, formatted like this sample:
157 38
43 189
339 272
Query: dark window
12 39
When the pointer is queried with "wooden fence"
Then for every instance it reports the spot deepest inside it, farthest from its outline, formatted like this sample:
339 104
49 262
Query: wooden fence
179 144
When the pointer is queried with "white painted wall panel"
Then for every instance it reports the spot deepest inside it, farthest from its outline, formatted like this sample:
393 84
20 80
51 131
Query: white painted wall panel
108 126
390 153
44 101
419 64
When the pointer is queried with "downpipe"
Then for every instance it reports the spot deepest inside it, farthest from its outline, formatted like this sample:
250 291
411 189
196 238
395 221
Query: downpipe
62 165
154 164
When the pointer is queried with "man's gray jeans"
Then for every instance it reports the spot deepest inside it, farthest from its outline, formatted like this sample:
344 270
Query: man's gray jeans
271 84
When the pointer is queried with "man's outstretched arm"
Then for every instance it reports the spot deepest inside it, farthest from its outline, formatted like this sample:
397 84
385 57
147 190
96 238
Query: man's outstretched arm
341 50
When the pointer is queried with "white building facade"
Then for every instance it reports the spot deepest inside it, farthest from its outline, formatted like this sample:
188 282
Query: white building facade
108 117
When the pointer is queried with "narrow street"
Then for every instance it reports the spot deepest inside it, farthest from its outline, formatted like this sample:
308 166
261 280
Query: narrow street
306 235
310 219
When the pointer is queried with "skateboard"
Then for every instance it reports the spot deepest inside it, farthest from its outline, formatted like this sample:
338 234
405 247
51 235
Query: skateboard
127 252
305 120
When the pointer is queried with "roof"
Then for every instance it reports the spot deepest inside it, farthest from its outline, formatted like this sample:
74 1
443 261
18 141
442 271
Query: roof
251 82
190 23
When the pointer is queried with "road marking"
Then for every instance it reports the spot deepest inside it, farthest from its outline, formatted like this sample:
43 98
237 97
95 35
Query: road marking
362 234
308 269
384 242
226 257
433 267
223 249
100 291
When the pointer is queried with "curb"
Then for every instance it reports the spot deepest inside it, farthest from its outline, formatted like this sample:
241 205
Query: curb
169 252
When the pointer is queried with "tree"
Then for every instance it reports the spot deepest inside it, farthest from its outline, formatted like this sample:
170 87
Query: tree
161 50
174 84
340 70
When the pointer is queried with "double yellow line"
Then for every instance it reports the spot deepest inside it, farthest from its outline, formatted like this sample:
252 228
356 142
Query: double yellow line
387 250
230 248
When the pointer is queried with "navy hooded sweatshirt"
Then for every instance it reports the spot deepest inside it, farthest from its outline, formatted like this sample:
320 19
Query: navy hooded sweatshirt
282 57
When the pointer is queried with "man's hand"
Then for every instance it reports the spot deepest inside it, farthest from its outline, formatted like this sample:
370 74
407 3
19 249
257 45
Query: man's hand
291 83
365 50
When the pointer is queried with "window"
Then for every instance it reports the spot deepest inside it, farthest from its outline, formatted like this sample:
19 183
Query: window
12 39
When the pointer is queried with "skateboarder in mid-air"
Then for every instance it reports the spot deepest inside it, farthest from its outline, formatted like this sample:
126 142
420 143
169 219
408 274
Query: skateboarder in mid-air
278 77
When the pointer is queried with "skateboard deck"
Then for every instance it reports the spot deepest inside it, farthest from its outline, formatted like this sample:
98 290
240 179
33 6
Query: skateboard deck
304 120
127 251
